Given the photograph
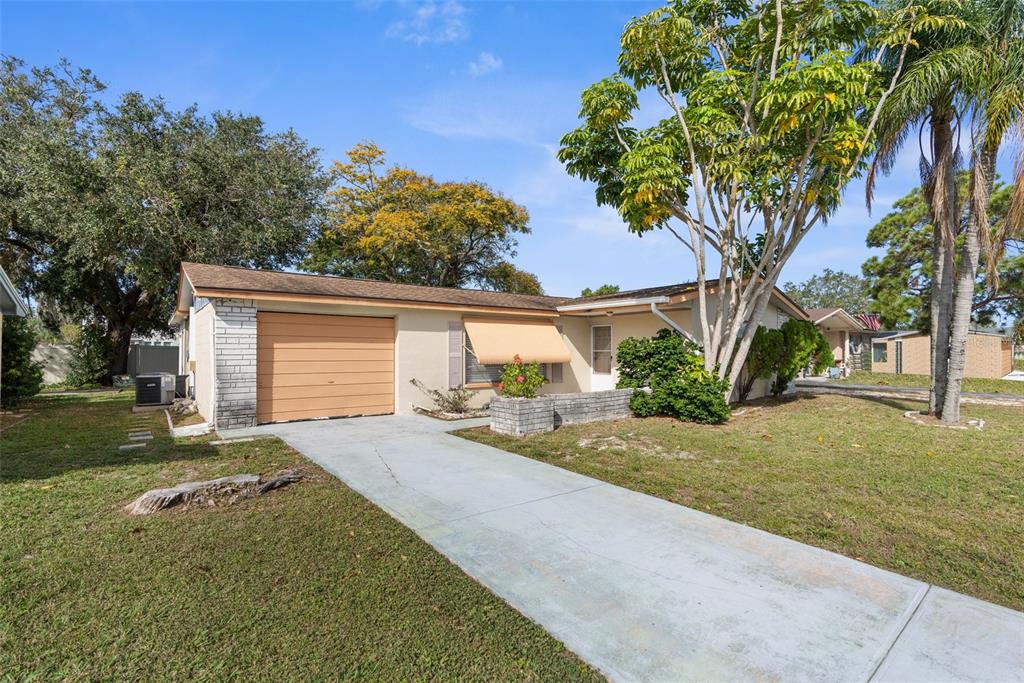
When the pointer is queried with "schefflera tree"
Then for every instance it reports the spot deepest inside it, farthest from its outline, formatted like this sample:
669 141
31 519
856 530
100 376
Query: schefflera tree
768 115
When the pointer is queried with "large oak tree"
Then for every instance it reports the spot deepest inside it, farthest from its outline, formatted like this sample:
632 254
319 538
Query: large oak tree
99 203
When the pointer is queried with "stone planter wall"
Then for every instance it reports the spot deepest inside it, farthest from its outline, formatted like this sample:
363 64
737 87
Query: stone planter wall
592 407
524 416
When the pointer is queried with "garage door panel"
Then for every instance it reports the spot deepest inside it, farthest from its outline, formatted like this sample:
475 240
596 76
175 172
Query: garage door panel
319 378
325 331
292 367
327 354
302 320
310 414
314 343
273 393
310 366
326 403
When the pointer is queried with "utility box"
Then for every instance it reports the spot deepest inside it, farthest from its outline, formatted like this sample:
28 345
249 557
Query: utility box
154 389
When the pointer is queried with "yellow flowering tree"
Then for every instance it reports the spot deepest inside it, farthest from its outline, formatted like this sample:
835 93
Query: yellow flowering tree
770 109
392 223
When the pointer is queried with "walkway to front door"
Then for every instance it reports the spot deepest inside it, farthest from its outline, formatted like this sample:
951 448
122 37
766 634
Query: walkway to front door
646 590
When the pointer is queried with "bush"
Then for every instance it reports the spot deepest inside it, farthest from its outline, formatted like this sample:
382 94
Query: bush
521 380
783 353
803 346
455 400
20 376
763 359
668 377
90 355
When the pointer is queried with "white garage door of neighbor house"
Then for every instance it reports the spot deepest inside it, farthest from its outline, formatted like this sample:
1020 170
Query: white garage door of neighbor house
311 366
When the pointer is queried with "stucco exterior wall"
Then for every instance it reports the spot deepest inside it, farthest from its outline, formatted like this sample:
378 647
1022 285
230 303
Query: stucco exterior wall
201 338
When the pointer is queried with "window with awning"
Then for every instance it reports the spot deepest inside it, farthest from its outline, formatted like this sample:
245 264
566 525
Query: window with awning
496 341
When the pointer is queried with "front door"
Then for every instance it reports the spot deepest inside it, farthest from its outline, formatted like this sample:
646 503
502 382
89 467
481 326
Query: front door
601 377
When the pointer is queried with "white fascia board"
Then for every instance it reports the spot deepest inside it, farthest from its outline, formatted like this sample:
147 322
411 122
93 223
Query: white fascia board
613 303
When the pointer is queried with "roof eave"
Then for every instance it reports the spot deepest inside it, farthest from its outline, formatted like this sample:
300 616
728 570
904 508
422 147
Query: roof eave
612 303
259 295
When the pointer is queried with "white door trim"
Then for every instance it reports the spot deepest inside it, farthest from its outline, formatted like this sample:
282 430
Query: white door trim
601 381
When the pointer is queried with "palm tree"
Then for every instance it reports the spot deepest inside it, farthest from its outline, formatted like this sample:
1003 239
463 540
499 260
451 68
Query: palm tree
926 102
969 71
996 101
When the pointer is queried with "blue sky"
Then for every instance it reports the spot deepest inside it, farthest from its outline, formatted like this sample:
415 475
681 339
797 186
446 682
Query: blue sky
458 90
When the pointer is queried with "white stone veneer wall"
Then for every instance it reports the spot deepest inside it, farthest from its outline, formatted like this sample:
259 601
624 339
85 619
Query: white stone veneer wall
234 345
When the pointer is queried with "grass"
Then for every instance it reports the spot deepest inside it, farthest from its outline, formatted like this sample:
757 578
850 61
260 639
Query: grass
846 474
974 384
308 582
53 388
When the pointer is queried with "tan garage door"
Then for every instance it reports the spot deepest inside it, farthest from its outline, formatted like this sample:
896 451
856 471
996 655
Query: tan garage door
323 366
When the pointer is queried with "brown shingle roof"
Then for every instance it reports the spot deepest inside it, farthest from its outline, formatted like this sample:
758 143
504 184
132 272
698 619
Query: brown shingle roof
663 290
203 276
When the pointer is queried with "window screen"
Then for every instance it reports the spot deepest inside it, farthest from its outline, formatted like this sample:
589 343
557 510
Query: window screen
601 351
477 373
879 353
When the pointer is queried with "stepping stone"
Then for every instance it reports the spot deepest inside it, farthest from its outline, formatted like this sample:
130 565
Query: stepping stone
224 442
129 446
140 437
141 432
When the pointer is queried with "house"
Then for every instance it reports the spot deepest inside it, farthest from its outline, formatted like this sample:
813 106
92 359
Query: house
10 303
988 355
262 346
848 336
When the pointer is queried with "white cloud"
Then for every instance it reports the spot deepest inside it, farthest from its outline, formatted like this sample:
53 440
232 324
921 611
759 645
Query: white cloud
432 22
485 64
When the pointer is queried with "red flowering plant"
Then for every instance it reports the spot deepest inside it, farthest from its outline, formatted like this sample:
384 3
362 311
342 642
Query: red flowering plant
520 380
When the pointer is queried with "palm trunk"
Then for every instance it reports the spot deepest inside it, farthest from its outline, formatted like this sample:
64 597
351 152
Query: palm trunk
942 205
982 178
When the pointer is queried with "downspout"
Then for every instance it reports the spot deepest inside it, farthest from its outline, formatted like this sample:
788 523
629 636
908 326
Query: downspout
672 323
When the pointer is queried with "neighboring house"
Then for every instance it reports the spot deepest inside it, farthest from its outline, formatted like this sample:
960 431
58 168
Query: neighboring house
264 346
10 303
988 355
847 335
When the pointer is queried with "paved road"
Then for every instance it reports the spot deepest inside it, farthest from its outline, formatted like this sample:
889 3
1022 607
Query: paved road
646 590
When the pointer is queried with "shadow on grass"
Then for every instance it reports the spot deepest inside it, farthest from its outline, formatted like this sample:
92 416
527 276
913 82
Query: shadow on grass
70 433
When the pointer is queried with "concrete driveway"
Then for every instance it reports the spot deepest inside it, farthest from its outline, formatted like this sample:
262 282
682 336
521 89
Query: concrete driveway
646 590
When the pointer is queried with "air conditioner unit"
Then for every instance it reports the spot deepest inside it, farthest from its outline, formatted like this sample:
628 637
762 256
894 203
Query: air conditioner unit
154 389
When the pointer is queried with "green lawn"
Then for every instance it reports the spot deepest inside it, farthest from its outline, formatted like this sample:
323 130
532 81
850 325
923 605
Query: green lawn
310 582
847 474
988 386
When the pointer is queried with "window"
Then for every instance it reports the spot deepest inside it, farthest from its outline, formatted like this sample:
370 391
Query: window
601 349
491 374
477 373
781 318
879 353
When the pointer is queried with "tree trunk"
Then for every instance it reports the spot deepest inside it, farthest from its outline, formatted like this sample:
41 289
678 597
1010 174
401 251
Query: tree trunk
982 178
120 336
942 205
